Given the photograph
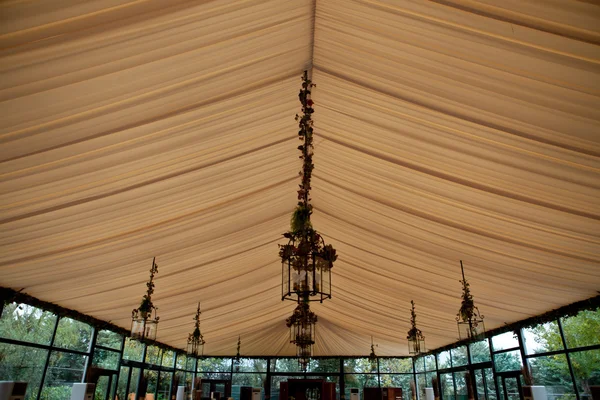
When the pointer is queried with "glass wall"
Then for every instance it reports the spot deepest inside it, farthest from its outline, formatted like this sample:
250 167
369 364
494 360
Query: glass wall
51 353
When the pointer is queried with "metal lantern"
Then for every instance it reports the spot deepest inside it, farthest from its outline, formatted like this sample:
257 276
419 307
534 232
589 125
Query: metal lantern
144 321
469 320
416 340
306 260
306 267
302 325
195 343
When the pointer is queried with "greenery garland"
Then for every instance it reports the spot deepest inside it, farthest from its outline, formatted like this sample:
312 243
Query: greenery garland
570 310
8 295
303 238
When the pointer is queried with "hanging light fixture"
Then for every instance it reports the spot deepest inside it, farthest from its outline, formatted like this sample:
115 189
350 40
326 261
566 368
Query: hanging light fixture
416 340
237 360
195 343
302 325
143 324
469 320
306 260
373 357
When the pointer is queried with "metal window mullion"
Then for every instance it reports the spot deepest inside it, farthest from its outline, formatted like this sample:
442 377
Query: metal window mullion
107 393
342 380
127 389
416 393
48 358
485 387
162 354
137 389
494 376
268 380
90 354
471 371
378 374
562 337
119 367
519 333
437 374
173 377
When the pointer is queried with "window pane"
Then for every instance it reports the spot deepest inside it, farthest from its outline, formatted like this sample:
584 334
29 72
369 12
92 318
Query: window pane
420 364
542 338
447 383
582 329
106 359
214 375
395 365
164 384
421 385
109 339
26 323
101 388
444 359
252 365
190 364
361 380
153 355
480 352
491 384
168 358
460 380
122 386
484 384
459 356
152 378
253 380
63 370
73 335
509 361
323 365
214 364
21 363
552 372
181 361
133 384
430 363
354 365
133 350
504 341
586 366
285 365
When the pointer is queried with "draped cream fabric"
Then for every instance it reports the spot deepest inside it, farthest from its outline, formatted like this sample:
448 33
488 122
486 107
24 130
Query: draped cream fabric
446 130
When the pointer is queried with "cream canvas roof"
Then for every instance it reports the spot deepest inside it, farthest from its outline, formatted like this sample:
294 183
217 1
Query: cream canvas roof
445 130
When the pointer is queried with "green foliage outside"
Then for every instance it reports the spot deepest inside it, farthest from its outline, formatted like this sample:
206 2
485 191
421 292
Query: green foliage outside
553 371
29 324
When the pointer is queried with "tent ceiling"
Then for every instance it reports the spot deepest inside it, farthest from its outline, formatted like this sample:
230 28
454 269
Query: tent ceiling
446 130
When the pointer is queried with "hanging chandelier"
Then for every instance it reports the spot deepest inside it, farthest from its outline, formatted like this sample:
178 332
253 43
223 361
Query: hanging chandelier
416 340
306 260
302 325
469 320
195 343
143 324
